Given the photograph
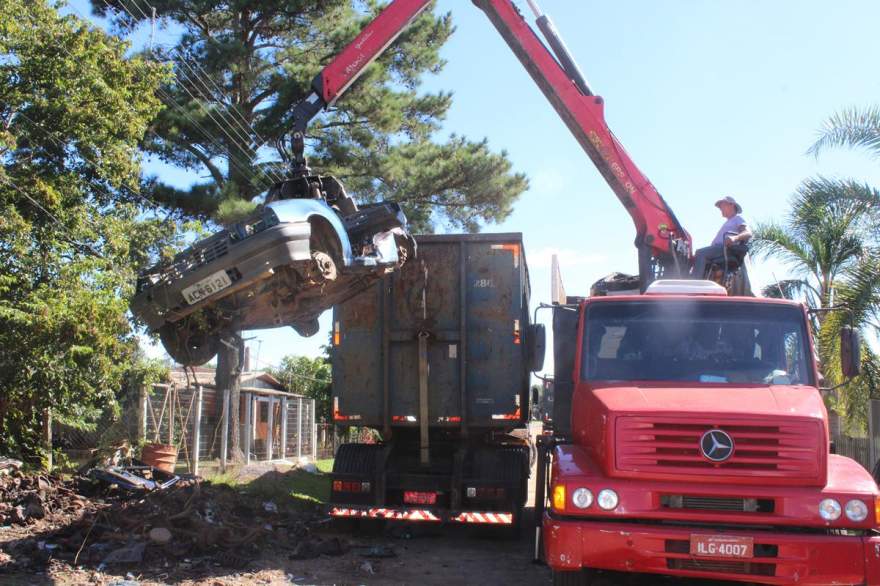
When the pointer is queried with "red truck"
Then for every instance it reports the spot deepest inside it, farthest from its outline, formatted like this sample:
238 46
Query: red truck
689 434
696 444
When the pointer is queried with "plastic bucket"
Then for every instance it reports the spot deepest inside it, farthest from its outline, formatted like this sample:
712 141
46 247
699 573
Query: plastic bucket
161 456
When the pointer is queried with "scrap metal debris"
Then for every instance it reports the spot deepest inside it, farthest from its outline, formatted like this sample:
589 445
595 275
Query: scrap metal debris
190 525
134 478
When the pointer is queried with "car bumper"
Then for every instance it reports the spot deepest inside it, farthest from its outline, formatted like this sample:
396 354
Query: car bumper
245 262
780 558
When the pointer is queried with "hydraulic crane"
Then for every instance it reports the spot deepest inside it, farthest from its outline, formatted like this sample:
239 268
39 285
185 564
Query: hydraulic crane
664 246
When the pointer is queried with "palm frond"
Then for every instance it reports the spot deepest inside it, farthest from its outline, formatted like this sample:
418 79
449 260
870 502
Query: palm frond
773 240
786 289
852 127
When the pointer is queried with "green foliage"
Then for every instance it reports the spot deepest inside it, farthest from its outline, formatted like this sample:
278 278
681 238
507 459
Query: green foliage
260 57
73 110
310 377
853 128
824 235
831 242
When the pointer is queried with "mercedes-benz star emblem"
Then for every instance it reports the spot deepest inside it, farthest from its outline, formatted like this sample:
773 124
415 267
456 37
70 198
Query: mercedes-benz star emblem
716 445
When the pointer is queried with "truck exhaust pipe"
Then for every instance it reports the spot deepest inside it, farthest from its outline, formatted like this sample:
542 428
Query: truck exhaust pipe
559 48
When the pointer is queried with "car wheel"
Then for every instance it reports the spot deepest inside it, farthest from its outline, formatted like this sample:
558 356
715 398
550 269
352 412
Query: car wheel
307 329
189 342
325 268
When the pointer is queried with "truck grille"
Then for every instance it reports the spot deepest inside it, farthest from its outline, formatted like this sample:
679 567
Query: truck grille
722 566
784 449
711 503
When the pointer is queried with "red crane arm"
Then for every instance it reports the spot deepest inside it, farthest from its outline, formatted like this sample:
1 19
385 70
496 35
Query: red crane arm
349 64
664 245
659 235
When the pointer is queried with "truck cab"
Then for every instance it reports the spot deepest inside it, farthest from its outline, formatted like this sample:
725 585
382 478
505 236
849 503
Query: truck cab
698 446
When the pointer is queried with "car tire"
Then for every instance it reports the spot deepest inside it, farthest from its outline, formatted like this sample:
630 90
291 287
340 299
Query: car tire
188 342
307 328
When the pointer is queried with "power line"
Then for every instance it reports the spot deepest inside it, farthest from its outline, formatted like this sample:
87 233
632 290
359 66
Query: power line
55 138
241 133
248 175
69 236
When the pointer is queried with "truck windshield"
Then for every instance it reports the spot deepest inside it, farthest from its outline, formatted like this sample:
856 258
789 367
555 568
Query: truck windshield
692 340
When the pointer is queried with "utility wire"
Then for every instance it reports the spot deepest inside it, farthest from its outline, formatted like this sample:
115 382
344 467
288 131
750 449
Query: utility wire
242 135
67 233
243 124
247 174
209 137
55 137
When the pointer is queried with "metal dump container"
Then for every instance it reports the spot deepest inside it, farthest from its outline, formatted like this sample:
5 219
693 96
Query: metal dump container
446 338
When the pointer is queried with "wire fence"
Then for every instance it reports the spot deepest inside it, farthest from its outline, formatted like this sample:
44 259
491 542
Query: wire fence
330 436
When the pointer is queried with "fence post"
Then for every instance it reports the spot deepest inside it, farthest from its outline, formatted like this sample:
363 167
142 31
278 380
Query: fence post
299 427
283 427
270 426
197 431
224 439
142 414
248 427
47 436
171 395
314 426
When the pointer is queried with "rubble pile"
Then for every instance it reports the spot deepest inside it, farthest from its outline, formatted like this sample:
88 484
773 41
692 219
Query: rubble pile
190 526
27 499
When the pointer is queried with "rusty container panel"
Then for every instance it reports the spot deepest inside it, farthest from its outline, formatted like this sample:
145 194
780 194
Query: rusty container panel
467 296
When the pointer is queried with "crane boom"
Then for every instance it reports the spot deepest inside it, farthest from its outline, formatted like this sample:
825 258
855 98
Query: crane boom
664 246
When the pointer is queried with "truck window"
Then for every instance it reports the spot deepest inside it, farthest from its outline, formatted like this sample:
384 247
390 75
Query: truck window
699 341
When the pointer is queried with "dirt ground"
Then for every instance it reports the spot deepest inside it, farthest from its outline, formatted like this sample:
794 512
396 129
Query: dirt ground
230 536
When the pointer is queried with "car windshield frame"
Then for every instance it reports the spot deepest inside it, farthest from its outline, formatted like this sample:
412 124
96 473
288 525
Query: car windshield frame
696 341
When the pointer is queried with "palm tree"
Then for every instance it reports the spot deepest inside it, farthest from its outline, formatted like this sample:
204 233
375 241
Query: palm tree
856 283
823 236
853 128
828 243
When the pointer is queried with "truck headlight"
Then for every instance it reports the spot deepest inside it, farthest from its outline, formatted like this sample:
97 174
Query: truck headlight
829 509
607 499
856 510
582 498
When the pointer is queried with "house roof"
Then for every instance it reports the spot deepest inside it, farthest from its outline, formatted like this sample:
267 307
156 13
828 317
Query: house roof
206 376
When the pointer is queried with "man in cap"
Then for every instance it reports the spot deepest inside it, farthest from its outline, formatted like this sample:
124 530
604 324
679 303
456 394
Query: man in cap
735 230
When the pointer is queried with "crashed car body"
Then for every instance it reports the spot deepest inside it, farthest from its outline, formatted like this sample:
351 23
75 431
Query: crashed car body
284 265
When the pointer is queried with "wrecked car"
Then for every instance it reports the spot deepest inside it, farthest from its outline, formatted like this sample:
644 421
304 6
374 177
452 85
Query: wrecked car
308 248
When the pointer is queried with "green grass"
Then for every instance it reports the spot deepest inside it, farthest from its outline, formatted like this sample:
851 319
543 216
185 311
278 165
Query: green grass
295 487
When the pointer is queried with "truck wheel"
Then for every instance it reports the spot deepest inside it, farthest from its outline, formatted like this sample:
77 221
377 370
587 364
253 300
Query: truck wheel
572 578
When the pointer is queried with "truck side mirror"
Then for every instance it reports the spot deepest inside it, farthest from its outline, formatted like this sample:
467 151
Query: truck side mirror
850 352
537 346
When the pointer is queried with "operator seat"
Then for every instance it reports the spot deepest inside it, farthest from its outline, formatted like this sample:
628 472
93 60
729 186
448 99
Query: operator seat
730 271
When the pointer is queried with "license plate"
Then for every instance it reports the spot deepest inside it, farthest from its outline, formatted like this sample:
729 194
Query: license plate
722 546
206 287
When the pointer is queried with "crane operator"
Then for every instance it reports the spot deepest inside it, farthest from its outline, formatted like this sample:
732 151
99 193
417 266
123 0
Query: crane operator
735 230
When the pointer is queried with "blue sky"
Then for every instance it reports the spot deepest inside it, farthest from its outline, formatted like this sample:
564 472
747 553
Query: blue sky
710 98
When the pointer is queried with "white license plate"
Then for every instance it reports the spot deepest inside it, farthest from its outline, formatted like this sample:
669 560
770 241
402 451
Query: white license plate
206 287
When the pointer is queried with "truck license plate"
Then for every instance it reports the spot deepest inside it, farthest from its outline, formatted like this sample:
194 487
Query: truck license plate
722 546
206 287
